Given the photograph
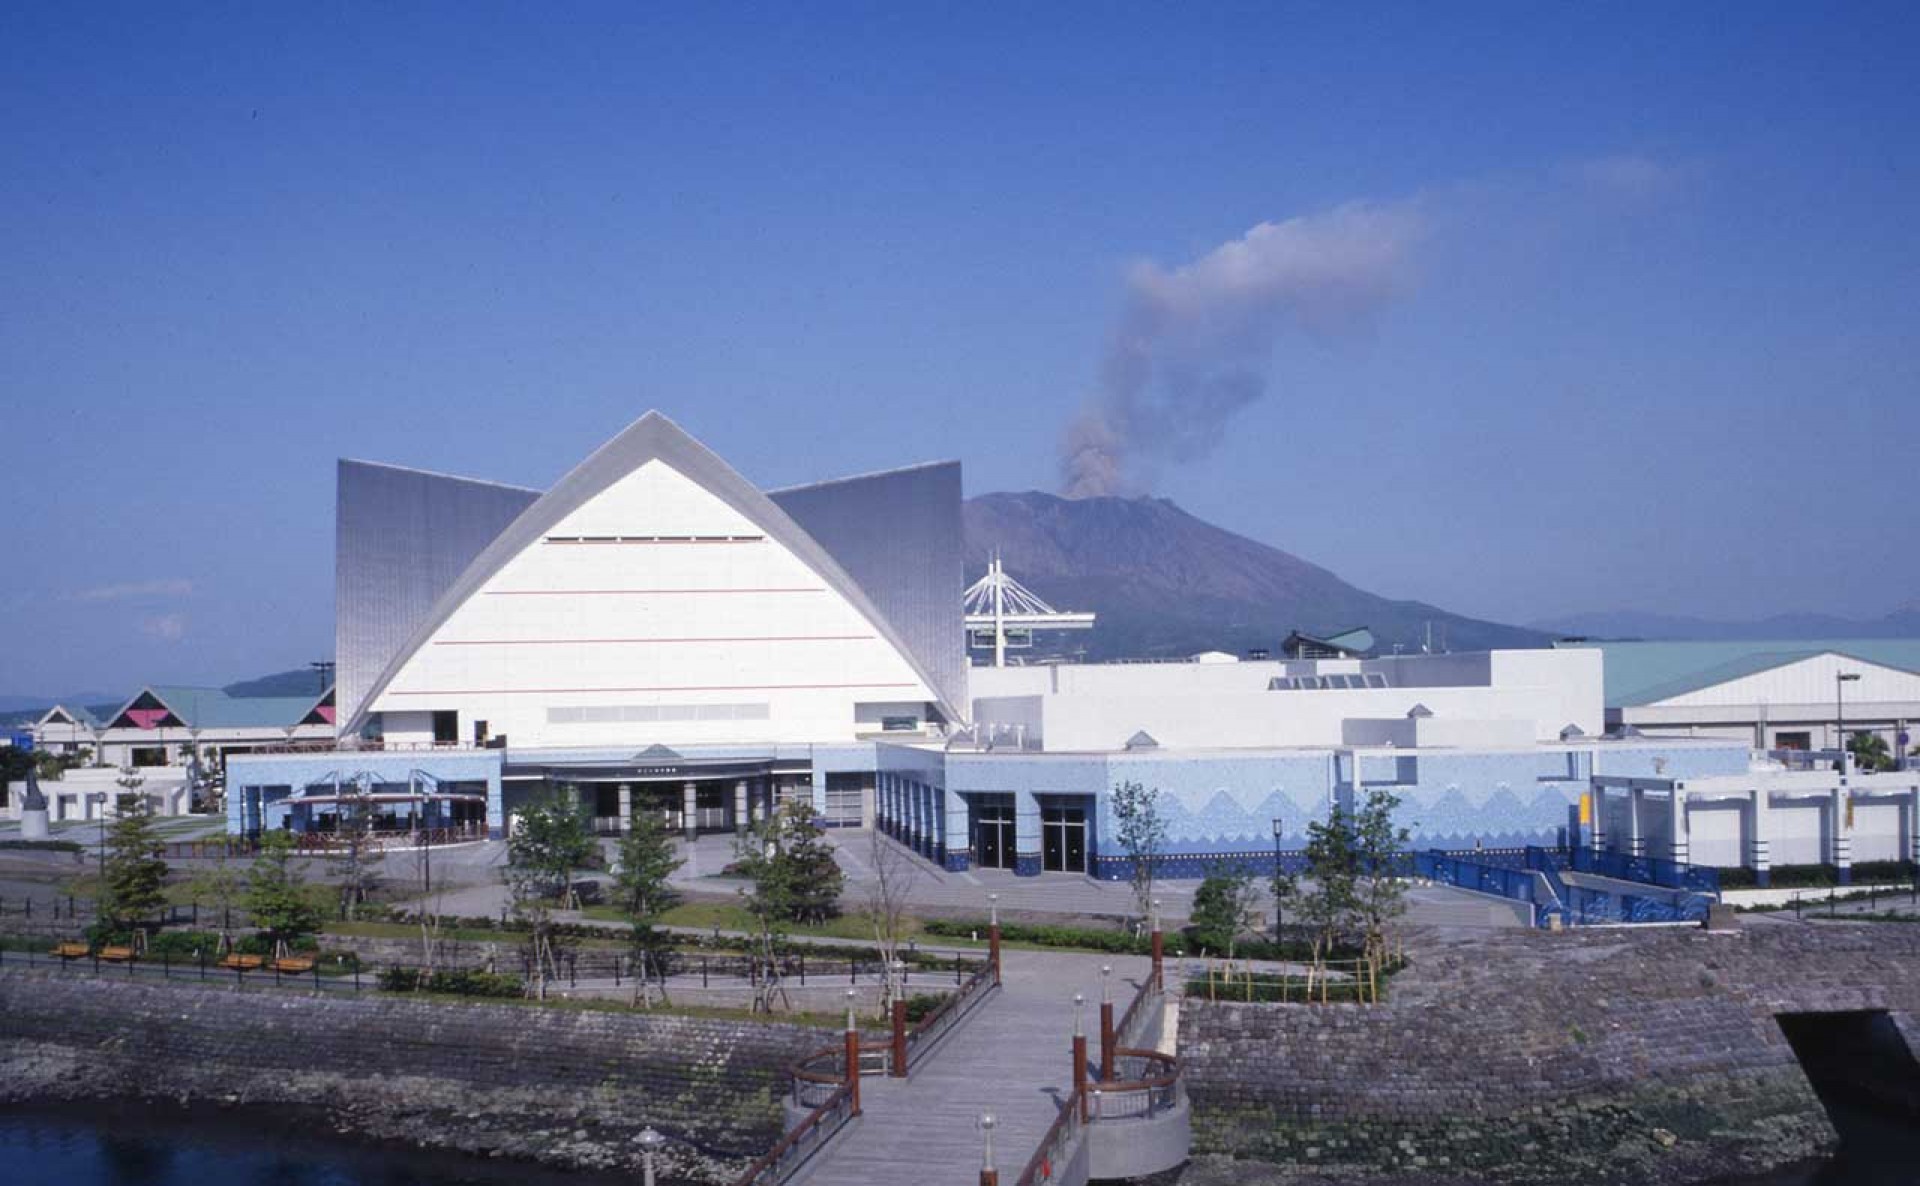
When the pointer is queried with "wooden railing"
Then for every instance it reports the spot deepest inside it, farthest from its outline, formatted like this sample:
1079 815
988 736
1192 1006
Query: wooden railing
1049 1161
1145 1083
931 1028
826 1119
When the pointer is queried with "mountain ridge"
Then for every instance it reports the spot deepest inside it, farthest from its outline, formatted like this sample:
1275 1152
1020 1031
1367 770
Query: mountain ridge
1167 583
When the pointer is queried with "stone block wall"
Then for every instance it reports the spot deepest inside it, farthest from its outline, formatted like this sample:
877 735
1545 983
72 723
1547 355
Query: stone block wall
569 1087
1591 1057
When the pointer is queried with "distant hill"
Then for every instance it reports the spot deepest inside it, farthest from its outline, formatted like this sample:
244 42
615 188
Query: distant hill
19 710
1629 624
1167 584
303 682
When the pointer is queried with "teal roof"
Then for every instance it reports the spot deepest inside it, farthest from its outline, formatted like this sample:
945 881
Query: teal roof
1647 672
211 708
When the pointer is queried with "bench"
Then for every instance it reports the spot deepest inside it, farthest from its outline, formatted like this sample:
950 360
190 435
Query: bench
293 964
242 963
72 951
118 955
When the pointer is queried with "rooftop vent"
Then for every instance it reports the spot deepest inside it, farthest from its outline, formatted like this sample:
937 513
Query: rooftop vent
1419 712
1572 733
1142 740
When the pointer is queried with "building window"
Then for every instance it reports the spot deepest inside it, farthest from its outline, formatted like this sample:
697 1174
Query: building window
1801 740
846 800
446 728
150 755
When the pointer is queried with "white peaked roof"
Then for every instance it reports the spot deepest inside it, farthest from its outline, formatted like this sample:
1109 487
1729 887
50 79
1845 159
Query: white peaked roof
653 437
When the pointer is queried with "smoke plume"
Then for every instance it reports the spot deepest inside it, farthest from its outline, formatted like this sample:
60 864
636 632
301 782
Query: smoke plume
1193 345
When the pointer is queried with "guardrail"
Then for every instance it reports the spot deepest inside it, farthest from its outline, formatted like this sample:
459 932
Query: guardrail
1049 1162
1146 1083
803 1141
1658 871
947 1014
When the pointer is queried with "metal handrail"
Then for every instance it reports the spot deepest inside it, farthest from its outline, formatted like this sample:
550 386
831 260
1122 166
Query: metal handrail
814 1073
804 1139
1047 1163
948 1013
1144 1095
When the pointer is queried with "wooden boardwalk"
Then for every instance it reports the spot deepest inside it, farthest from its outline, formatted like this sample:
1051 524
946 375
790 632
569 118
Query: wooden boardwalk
1012 1057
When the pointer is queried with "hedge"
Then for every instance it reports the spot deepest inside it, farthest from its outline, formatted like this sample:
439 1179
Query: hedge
455 982
43 845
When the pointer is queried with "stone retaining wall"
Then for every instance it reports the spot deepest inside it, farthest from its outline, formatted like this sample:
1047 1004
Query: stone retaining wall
1591 1057
561 1086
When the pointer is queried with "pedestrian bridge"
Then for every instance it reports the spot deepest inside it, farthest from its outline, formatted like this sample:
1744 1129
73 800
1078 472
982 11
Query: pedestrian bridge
1013 1081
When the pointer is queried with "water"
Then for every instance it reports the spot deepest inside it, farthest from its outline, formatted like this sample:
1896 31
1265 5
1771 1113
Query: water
1877 1148
90 1146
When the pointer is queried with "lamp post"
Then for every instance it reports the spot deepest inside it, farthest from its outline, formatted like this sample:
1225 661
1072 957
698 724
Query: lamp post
1840 680
650 1140
898 1068
989 1176
1279 829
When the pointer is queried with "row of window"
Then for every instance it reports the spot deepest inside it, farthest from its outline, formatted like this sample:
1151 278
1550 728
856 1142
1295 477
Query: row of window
605 714
1308 683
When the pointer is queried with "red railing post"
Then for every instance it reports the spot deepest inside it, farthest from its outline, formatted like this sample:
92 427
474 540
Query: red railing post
899 1039
1079 1057
993 935
853 1058
1106 1023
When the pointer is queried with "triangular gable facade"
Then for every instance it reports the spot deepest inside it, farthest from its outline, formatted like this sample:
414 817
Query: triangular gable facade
652 583
322 712
1804 679
146 711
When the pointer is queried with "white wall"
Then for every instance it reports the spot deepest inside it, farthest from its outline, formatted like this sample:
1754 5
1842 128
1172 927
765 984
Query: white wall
1809 682
725 641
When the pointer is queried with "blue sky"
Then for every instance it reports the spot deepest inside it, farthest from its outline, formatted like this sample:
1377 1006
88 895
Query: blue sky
1648 339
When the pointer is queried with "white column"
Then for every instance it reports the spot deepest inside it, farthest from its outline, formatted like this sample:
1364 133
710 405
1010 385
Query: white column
626 808
1678 827
1759 836
1636 843
1913 825
740 806
690 810
1841 852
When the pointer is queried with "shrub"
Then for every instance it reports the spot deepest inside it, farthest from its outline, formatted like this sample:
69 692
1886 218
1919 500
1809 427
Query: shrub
921 1005
457 982
43 845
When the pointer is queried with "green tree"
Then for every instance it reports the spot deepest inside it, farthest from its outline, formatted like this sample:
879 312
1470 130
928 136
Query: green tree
1870 752
1328 905
134 878
548 842
277 895
643 893
219 885
1140 827
1222 908
817 879
1380 845
794 880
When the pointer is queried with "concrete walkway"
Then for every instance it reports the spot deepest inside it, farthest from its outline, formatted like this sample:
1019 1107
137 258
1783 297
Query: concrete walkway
1012 1057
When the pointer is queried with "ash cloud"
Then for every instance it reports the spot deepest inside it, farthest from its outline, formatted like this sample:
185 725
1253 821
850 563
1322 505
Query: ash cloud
1193 345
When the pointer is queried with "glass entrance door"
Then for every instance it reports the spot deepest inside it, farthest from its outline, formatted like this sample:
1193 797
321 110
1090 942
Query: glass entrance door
993 833
1063 839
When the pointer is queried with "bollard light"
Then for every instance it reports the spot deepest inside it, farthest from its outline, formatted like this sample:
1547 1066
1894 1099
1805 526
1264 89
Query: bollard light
993 910
986 1135
650 1140
1106 984
1079 1006
852 995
